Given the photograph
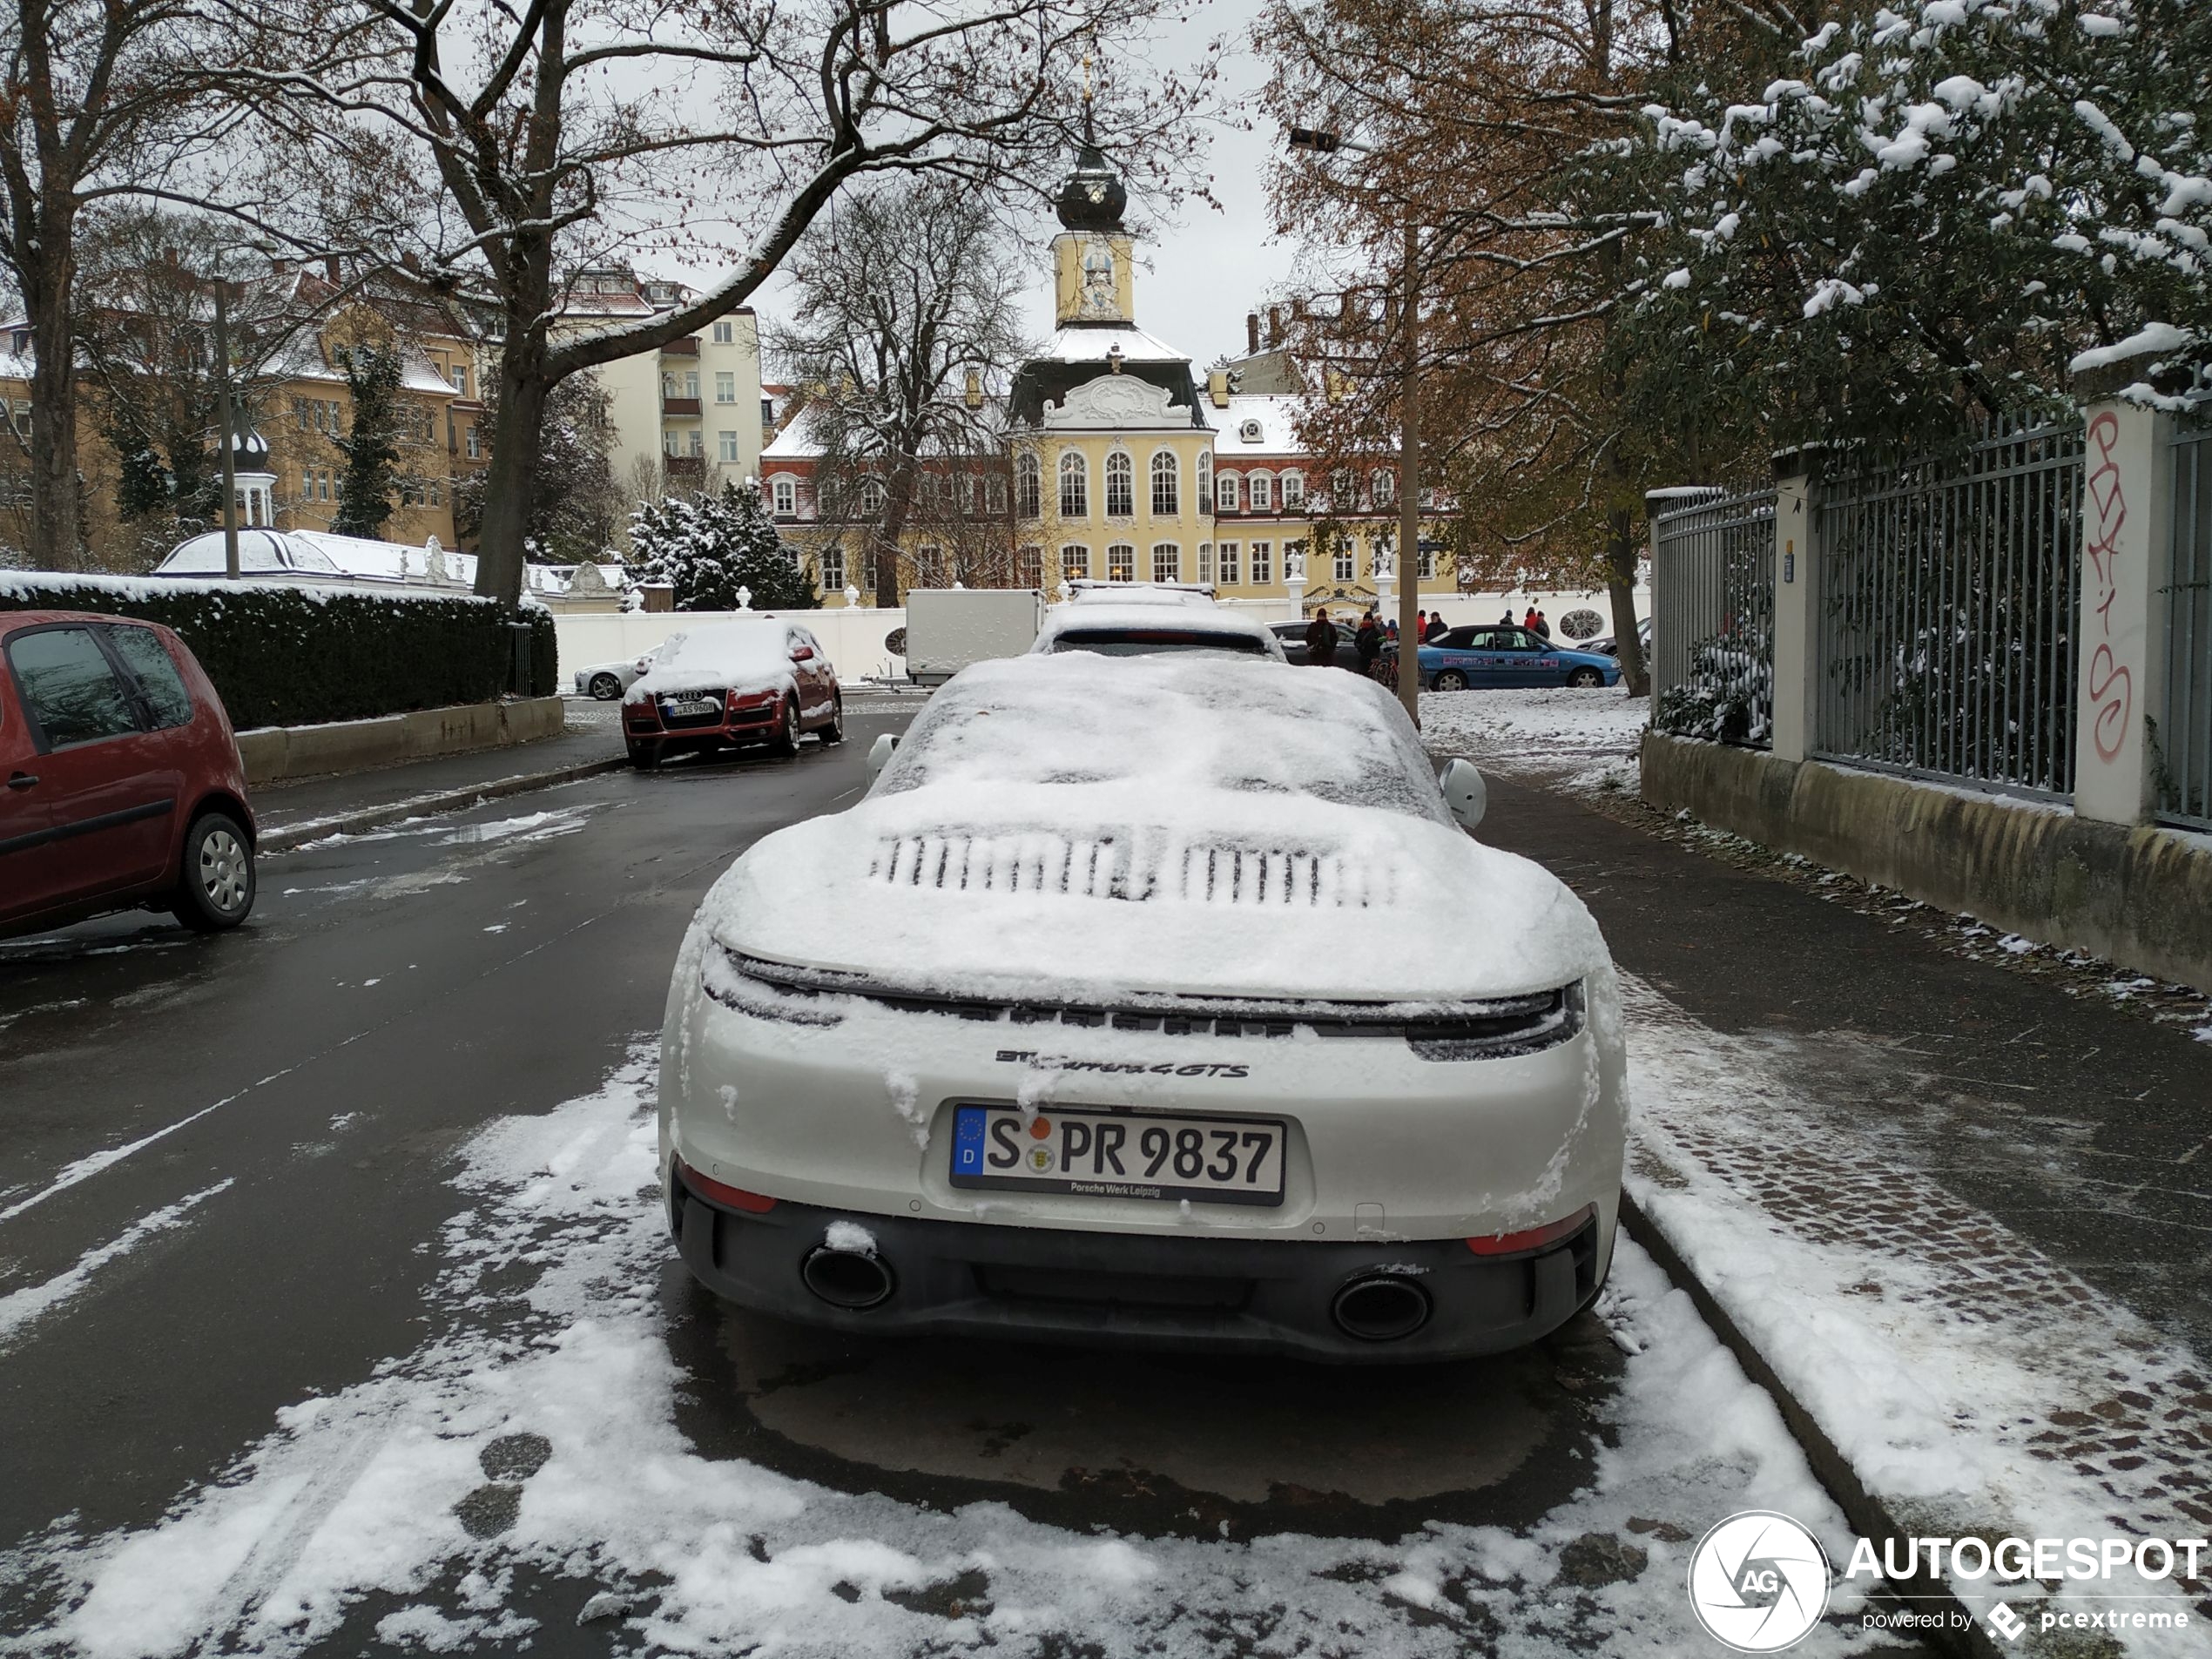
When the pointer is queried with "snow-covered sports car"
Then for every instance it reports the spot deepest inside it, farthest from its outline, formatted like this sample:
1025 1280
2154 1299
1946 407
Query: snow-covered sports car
1151 999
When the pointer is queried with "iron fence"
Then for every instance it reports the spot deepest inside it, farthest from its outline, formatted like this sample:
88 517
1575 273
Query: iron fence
1712 620
1950 588
2181 739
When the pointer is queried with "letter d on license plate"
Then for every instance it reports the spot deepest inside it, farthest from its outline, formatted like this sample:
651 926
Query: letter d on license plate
1092 1153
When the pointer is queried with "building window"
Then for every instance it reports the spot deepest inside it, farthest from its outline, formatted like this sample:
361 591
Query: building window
786 497
1293 491
871 498
1263 570
1075 564
460 379
1428 562
1027 502
698 445
994 495
726 387
1028 567
929 567
1227 561
1164 492
1205 561
723 333
1259 491
729 451
475 444
691 382
1384 484
671 444
1224 493
1205 479
1345 560
1121 563
1167 562
1121 492
833 566
1343 498
1075 486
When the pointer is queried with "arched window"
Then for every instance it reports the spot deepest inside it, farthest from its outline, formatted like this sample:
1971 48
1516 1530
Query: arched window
1384 484
1205 479
1075 486
1163 485
1260 492
1121 491
1224 493
1075 562
871 498
1344 497
1121 563
1293 491
1028 497
1167 562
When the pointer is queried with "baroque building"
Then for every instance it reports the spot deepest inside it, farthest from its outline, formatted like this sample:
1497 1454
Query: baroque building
1117 462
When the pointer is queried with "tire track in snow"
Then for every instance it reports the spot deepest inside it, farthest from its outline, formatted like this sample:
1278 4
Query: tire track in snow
19 1308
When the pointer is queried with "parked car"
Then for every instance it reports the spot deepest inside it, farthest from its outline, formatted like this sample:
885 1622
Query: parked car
124 785
1495 655
1610 645
1292 636
607 681
1093 1021
1148 621
754 679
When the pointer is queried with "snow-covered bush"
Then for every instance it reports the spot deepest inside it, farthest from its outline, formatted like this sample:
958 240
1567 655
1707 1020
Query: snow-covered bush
1729 695
710 547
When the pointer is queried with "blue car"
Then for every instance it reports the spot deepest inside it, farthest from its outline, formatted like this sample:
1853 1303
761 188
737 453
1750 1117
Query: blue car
1496 655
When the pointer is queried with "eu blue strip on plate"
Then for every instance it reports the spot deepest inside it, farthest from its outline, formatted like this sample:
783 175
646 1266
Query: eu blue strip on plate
968 1140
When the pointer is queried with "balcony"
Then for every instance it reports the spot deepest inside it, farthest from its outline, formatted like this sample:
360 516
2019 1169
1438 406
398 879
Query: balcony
680 408
687 347
692 466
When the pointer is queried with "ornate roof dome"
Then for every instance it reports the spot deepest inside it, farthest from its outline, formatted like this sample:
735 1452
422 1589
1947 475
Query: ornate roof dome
1094 195
249 449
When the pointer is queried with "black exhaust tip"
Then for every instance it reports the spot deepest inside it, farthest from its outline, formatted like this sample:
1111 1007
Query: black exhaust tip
1382 1307
846 1279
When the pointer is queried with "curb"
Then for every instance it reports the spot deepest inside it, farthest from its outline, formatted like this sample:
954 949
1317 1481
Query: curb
1961 1634
290 837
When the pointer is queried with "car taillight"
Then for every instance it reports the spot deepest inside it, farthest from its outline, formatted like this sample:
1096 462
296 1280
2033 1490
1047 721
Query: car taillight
1532 1238
722 1193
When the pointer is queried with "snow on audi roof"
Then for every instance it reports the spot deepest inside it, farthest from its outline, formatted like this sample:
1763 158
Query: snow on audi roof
1151 623
1186 824
751 654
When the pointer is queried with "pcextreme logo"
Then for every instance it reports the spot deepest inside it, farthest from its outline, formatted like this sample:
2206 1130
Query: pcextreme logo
1759 1581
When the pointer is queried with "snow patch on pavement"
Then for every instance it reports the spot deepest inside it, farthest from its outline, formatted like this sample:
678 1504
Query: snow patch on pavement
406 1487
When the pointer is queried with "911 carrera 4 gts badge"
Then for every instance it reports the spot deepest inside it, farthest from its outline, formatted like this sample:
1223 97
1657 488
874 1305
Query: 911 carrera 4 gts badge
1162 1068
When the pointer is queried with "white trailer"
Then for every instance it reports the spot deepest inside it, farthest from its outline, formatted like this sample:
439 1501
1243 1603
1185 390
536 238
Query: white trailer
950 628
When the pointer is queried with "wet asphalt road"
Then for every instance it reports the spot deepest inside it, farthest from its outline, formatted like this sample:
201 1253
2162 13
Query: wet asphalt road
301 1085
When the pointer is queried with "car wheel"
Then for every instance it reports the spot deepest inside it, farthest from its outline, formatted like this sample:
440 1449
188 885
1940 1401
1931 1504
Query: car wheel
1586 677
835 731
785 741
644 756
1450 679
605 687
215 885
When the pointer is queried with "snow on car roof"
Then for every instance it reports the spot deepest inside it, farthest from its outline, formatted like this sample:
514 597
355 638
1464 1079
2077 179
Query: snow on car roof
1153 614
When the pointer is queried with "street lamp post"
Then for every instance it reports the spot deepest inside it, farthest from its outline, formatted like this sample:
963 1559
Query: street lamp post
227 434
1317 142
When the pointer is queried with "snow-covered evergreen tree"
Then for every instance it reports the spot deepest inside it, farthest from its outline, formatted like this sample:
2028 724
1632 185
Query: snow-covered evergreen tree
708 548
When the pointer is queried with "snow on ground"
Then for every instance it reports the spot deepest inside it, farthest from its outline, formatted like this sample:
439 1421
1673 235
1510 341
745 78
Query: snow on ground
1978 1386
536 1434
1585 740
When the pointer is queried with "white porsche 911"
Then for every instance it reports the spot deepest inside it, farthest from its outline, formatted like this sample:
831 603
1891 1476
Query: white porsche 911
1153 999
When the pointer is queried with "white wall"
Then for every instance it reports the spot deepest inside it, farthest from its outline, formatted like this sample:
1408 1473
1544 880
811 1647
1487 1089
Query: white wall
853 638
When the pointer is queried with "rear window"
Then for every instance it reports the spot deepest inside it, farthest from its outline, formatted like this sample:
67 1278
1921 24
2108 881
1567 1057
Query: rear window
143 654
1144 641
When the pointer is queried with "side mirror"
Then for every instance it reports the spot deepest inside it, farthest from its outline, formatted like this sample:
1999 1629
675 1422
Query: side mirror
804 654
1465 793
879 754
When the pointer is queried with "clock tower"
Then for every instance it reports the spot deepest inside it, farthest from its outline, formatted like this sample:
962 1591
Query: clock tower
1090 257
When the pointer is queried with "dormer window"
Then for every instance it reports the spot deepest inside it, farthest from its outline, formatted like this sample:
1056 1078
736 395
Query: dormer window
1248 431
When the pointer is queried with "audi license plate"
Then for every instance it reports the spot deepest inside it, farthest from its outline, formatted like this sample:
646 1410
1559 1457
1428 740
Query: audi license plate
682 705
1119 1155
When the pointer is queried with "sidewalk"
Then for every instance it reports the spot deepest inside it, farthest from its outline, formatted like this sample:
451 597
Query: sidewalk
593 740
1958 1209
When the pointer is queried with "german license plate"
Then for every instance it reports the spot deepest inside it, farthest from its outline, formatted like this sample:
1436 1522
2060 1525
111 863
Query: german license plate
1091 1153
688 706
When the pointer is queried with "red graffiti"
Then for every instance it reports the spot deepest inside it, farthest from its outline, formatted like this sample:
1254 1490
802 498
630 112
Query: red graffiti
2110 686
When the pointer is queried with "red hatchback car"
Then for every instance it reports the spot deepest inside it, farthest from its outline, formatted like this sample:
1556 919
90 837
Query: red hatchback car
123 782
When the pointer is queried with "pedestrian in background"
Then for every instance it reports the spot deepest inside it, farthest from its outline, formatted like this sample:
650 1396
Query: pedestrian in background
1321 641
1390 631
1506 620
1529 621
1420 624
1435 627
1543 624
1366 643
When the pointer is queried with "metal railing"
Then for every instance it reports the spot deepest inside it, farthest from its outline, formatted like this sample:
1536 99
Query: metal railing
1951 584
2181 739
1712 620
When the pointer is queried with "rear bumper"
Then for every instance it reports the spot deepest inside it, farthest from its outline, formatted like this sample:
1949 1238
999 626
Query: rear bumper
1118 1289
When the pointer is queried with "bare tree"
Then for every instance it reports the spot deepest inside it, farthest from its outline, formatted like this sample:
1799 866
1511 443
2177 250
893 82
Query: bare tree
908 306
558 130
